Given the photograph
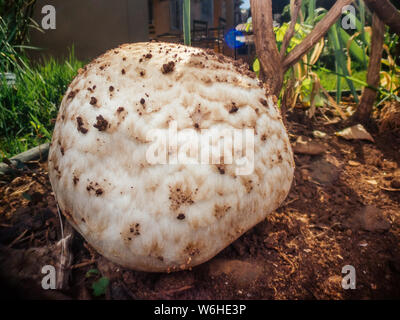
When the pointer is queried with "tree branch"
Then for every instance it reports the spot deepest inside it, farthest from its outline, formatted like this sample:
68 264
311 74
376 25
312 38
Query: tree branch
386 12
318 32
290 32
364 109
267 51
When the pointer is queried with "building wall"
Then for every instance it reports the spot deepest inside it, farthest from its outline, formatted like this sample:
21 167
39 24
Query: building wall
92 26
230 7
161 16
162 19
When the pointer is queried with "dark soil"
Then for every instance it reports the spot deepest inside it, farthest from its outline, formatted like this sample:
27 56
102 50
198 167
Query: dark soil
343 209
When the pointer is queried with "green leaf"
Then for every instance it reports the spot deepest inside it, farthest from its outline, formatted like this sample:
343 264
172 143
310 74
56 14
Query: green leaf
311 12
355 50
100 286
307 86
92 272
256 67
280 32
320 100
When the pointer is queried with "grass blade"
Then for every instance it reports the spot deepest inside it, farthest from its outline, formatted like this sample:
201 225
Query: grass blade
311 12
186 22
340 56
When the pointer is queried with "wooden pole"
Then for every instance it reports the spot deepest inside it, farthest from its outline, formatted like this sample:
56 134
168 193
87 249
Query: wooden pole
386 12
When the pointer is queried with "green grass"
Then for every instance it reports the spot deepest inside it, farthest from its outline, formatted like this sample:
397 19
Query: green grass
328 80
27 107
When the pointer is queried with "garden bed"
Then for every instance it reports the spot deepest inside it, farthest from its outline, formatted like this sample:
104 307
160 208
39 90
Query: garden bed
343 209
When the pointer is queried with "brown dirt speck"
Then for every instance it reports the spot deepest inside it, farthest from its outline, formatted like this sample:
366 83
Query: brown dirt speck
72 94
234 109
168 67
220 211
93 101
221 169
75 180
80 127
101 123
264 102
179 197
181 216
134 229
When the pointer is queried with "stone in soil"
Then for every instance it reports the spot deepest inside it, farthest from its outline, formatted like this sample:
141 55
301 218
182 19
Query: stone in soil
371 219
306 145
324 171
241 273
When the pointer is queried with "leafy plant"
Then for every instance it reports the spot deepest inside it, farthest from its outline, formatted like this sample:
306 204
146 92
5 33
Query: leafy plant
17 15
100 286
390 75
305 82
350 51
337 41
15 20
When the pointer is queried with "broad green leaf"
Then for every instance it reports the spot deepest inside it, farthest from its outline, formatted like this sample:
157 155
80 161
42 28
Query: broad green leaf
100 286
256 67
355 50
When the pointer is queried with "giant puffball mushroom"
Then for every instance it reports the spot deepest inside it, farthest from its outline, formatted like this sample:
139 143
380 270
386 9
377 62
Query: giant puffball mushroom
156 216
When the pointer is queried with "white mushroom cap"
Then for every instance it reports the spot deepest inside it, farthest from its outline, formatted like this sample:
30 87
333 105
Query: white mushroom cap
164 217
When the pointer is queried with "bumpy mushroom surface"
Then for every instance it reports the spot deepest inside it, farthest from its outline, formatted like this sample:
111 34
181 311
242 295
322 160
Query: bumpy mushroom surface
164 217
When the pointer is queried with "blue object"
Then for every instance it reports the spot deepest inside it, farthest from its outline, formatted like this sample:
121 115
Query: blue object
232 39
